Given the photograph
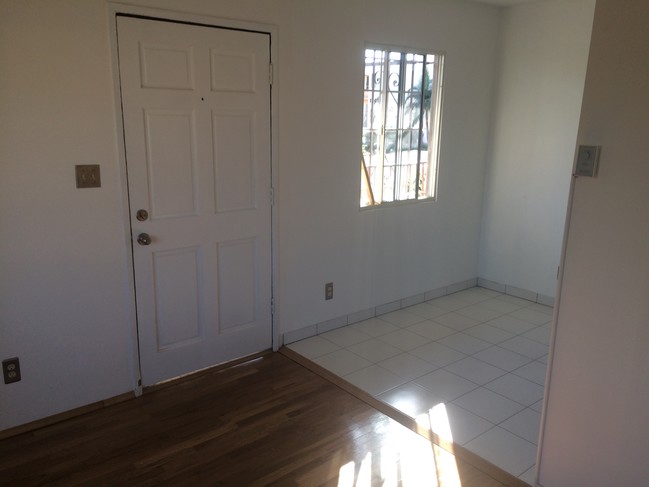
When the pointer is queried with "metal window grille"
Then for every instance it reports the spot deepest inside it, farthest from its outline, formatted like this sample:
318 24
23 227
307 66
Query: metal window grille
401 125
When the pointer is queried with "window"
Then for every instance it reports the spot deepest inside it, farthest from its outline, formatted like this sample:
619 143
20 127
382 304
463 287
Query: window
401 125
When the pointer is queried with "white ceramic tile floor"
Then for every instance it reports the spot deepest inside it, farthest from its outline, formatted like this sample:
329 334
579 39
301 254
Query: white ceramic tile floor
529 475
534 371
345 336
450 302
475 370
314 347
517 389
500 306
525 346
437 354
539 334
465 426
479 313
401 318
456 321
532 316
489 405
524 424
431 330
503 358
426 310
374 350
374 327
489 333
446 384
342 362
505 449
407 366
513 325
537 406
484 291
404 339
478 353
374 379
522 303
411 399
464 343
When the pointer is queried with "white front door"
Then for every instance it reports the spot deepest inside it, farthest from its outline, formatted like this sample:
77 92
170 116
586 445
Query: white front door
196 106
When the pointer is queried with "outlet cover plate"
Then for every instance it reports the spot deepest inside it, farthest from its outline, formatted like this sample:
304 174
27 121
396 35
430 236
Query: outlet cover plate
329 291
11 370
88 175
587 161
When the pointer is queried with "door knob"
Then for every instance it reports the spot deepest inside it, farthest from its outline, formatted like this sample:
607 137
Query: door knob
144 239
142 215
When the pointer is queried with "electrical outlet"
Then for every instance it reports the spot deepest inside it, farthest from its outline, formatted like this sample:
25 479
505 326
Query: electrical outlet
11 370
329 290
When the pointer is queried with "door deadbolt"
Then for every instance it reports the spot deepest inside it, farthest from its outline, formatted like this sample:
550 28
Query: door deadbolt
144 239
142 215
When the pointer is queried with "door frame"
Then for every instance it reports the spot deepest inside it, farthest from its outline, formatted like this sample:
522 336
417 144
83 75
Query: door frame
113 9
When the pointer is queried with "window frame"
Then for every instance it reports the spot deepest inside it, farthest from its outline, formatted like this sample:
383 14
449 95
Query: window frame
433 137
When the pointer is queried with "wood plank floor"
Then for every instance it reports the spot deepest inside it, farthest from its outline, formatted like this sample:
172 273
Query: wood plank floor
269 421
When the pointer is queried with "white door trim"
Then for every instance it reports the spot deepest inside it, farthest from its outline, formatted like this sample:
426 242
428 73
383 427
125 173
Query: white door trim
113 9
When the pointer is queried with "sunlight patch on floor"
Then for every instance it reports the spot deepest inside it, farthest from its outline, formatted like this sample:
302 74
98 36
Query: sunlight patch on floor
407 461
439 423
347 476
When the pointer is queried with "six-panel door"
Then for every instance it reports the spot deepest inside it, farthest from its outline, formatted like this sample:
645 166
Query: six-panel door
196 105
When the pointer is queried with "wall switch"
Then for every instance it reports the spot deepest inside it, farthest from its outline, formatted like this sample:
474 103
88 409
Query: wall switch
587 160
88 176
11 370
329 290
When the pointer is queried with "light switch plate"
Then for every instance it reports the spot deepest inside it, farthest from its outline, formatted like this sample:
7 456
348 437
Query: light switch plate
88 176
587 160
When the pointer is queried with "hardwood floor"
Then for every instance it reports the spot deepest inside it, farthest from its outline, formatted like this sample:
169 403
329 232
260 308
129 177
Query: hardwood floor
269 421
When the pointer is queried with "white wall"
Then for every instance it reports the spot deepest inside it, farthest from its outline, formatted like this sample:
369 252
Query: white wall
65 298
544 53
378 255
597 412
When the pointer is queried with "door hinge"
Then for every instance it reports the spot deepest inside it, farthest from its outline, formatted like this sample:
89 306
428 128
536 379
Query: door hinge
270 74
272 196
272 306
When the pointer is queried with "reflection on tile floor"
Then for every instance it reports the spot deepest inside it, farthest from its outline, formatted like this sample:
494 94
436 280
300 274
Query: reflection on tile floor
476 359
